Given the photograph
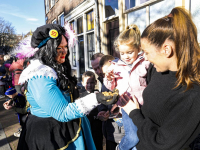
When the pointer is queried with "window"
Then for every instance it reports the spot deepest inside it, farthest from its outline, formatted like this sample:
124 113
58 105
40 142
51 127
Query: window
132 3
155 11
129 4
74 56
90 21
52 3
80 25
72 26
138 17
81 54
195 11
54 22
91 47
61 20
111 7
143 1
47 6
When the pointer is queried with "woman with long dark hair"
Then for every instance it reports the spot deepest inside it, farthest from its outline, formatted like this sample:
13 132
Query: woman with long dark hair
56 120
169 118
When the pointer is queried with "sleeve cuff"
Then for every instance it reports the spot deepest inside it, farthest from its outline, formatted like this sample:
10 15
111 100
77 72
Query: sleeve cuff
87 103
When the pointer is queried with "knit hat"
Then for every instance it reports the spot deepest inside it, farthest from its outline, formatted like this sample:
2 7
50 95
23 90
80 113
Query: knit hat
10 91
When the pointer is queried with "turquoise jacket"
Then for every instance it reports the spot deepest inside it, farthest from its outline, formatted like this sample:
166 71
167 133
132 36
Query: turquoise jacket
47 100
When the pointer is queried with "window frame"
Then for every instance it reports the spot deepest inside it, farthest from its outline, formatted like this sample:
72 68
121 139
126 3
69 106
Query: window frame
53 3
73 51
47 4
87 20
106 19
59 19
54 21
81 16
139 6
76 15
93 51
73 25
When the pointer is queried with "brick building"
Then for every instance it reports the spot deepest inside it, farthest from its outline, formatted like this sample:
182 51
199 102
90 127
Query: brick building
98 22
80 14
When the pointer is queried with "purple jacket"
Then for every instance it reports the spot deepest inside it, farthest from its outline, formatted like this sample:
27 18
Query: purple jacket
132 78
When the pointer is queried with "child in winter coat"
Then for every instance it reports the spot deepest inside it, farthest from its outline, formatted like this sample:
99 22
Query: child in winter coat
19 103
128 75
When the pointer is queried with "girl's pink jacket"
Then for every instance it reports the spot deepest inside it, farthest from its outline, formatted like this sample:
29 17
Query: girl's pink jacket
132 79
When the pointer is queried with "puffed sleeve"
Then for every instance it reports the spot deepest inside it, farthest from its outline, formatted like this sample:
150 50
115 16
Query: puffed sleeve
49 98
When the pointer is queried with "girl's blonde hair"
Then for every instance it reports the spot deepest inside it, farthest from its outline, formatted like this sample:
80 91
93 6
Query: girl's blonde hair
178 27
130 37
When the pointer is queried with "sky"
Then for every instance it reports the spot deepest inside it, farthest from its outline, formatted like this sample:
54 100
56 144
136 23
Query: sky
24 15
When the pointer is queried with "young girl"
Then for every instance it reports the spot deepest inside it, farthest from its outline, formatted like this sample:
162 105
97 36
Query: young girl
128 74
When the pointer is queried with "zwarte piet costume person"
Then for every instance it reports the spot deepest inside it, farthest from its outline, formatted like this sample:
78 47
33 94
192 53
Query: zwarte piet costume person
56 121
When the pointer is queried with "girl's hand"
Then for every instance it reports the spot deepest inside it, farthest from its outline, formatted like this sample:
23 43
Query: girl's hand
109 75
131 103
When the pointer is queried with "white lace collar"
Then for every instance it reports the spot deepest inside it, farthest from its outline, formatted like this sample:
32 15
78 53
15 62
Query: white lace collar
36 68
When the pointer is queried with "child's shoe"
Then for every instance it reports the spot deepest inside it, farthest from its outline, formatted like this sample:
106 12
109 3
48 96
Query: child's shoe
17 134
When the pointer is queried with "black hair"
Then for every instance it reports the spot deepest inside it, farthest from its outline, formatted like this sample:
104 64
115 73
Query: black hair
47 54
96 55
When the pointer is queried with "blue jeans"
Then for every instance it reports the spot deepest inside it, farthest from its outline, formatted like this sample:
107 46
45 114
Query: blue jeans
130 139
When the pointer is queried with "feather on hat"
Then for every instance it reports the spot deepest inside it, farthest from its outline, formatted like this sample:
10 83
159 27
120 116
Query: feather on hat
28 46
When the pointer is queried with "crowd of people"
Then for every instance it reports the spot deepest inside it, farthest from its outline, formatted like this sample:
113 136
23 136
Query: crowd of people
148 98
10 70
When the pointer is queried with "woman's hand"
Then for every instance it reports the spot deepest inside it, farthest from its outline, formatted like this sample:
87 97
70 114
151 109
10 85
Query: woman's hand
130 103
103 115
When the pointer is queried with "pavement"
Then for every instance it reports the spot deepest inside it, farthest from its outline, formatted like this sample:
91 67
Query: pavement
8 125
